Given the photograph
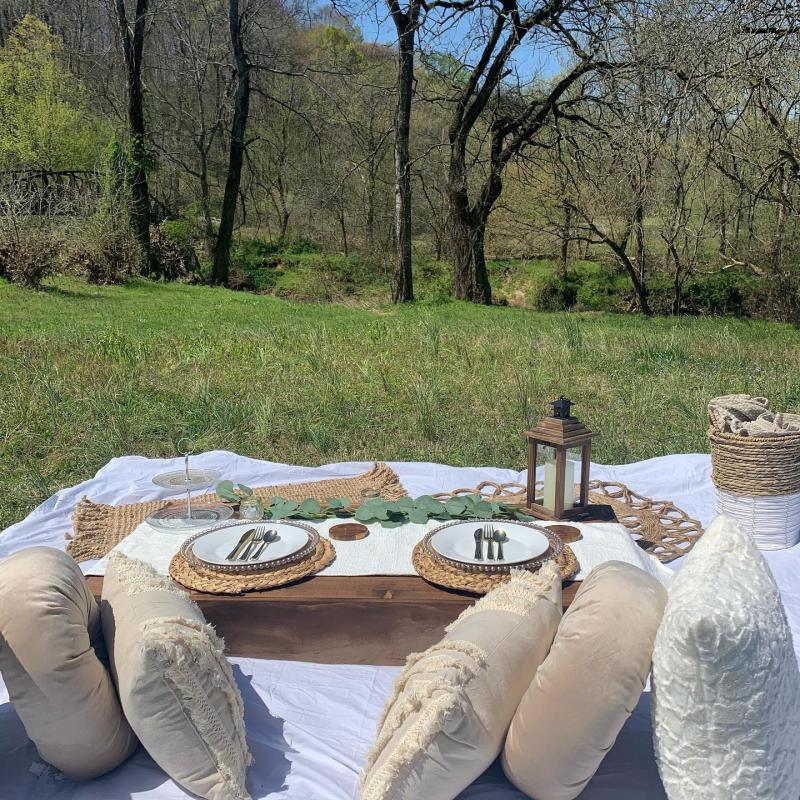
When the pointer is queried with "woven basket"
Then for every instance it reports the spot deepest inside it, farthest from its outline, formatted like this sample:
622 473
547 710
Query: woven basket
758 483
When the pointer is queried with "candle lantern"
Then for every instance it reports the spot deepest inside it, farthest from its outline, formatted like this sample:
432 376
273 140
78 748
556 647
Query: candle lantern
564 443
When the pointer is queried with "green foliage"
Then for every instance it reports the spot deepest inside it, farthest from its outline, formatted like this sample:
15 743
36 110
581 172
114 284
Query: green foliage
230 493
718 293
181 231
389 513
298 247
551 293
45 121
252 254
605 290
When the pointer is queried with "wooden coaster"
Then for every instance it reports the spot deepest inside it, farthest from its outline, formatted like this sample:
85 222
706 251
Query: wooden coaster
348 531
567 533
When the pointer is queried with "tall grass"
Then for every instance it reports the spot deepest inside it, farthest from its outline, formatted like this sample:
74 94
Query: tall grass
87 374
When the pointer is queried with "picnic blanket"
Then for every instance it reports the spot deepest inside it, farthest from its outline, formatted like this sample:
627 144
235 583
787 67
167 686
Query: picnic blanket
309 725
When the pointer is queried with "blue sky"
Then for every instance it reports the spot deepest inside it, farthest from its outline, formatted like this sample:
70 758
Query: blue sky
376 26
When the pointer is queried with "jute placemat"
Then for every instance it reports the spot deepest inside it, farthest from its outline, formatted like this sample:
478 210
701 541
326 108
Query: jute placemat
207 580
97 527
453 578
657 526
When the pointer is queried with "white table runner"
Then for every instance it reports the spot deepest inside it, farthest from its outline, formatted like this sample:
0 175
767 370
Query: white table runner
388 551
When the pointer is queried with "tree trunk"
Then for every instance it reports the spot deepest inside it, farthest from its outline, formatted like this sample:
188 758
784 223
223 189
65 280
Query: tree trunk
241 110
406 25
343 228
205 201
468 230
132 48
470 278
638 235
566 232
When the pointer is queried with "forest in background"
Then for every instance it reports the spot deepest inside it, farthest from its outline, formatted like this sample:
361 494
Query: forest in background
647 150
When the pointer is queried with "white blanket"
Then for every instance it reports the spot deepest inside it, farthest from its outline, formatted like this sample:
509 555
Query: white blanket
309 725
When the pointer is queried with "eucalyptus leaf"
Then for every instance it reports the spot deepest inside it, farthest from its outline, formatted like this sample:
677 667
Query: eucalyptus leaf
483 509
365 515
455 506
310 506
418 516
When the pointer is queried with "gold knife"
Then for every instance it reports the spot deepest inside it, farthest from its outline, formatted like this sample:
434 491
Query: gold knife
245 540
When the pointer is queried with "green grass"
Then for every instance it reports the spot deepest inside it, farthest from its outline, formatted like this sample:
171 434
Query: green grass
90 373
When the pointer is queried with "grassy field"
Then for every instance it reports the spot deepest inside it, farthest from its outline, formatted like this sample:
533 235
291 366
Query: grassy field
90 373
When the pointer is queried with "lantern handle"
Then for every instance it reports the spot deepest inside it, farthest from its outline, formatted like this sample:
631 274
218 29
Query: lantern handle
561 408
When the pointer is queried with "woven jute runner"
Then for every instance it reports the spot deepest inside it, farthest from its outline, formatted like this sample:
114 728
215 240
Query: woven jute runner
207 580
480 583
657 526
97 527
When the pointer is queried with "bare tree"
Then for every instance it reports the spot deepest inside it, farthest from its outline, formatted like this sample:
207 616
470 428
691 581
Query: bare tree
406 23
132 35
510 115
241 111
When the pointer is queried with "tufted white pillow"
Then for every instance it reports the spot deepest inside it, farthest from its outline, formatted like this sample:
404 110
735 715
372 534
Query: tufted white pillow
726 699
451 707
175 684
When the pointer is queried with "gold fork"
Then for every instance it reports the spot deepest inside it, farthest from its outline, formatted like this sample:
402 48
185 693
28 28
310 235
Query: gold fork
257 538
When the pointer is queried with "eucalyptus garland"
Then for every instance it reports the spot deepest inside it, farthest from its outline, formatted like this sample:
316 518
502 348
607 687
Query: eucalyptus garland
389 513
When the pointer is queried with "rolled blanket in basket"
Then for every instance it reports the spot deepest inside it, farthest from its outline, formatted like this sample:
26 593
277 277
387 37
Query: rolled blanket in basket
744 415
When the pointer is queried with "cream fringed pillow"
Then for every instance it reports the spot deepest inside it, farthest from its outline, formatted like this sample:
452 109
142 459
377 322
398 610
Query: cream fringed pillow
726 700
175 684
588 685
52 661
451 706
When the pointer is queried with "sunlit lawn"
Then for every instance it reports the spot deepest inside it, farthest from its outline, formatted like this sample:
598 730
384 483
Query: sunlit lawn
90 373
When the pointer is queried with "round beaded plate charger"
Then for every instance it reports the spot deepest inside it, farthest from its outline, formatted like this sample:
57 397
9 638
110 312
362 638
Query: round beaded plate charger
451 577
435 569
209 549
455 543
215 582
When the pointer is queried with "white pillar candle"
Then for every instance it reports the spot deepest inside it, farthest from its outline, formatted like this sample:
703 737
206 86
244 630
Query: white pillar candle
549 499
569 484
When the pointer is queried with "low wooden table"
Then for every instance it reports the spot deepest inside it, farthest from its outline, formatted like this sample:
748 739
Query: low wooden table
335 620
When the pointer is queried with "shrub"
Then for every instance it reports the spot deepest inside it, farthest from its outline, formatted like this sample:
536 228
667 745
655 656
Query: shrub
104 249
254 254
715 293
299 247
29 259
172 259
604 290
552 293
181 231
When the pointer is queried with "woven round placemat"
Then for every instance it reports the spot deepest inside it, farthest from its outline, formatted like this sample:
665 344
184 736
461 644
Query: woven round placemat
479 583
207 580
657 526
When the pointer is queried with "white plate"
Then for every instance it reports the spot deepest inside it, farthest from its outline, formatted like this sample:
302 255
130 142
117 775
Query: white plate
456 542
213 546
